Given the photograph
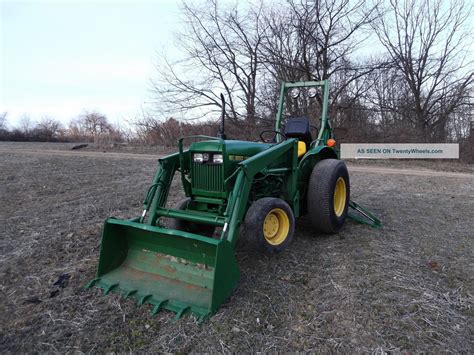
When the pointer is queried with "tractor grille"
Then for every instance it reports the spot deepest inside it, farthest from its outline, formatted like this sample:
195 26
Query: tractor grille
208 177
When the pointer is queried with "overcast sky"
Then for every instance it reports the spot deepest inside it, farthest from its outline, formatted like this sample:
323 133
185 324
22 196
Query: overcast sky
59 58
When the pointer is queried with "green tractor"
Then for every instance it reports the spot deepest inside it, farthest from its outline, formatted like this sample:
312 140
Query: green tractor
232 187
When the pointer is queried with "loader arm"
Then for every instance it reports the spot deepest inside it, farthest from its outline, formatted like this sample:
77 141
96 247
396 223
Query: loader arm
157 193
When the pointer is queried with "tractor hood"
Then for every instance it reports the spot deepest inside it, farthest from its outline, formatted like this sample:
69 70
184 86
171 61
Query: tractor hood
233 150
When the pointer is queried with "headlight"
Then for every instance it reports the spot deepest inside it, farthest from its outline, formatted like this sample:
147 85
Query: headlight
200 157
295 92
197 158
312 92
217 159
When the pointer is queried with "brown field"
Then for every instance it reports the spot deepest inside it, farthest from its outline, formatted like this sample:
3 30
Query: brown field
408 286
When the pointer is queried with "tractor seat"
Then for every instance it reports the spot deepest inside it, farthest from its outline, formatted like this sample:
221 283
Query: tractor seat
298 127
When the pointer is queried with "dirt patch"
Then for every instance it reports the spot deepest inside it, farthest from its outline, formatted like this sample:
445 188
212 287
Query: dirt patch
406 287
385 170
417 164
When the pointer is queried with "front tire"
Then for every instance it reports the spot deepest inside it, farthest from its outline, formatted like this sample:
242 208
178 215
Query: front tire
328 195
270 221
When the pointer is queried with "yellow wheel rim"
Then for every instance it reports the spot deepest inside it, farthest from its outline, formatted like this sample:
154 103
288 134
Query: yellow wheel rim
276 226
340 193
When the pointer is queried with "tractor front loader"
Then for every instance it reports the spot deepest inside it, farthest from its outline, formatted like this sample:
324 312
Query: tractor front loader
231 187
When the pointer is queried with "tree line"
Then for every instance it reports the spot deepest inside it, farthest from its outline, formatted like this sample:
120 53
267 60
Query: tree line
400 70
90 126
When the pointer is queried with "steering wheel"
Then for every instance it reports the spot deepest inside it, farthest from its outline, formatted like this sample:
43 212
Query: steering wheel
264 140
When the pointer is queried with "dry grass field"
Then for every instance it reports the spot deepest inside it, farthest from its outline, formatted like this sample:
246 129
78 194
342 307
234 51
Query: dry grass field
408 286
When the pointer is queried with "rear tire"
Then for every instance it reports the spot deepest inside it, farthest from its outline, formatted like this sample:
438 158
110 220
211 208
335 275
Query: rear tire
328 195
270 221
191 227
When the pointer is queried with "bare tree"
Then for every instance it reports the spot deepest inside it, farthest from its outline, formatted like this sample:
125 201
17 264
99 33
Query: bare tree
93 123
246 54
221 47
4 133
418 81
155 132
3 120
26 125
459 126
426 43
314 40
48 129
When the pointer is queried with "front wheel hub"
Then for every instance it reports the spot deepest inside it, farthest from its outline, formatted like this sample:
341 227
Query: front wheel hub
276 226
340 194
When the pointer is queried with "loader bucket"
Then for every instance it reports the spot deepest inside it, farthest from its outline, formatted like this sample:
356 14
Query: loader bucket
170 269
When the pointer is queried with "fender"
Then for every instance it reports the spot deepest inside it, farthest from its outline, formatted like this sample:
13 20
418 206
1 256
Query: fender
312 157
